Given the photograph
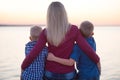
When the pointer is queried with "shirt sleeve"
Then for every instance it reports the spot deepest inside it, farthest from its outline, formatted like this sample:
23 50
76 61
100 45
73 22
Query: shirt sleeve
75 53
35 51
94 43
28 48
86 48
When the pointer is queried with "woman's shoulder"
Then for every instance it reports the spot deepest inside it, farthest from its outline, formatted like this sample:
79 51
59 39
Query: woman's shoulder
44 31
74 28
72 31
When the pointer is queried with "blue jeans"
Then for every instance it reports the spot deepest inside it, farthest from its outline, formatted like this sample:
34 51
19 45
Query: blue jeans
53 76
94 78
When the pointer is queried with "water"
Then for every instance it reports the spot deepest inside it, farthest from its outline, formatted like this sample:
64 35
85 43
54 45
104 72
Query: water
13 40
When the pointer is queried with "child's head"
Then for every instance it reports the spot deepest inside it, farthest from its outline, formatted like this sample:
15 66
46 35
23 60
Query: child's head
35 32
86 28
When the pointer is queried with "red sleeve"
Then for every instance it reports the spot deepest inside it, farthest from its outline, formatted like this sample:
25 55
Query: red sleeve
86 47
35 51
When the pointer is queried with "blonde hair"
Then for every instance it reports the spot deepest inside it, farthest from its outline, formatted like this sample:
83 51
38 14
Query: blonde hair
35 32
86 28
57 23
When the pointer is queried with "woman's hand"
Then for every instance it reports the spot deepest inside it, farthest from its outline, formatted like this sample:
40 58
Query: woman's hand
51 57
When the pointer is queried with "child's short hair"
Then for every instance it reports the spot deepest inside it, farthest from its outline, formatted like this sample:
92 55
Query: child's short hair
86 28
35 31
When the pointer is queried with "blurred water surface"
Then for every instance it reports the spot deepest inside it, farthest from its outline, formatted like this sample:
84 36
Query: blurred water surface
13 40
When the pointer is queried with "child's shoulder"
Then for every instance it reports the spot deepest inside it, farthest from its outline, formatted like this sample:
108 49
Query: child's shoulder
31 43
90 39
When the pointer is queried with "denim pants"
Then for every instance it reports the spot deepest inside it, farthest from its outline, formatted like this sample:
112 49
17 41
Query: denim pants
94 78
53 76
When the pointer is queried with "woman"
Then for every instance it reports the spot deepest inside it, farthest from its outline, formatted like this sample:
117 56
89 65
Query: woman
60 36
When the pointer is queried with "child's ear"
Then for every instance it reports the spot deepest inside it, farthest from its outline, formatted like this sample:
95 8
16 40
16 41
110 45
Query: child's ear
30 38
92 33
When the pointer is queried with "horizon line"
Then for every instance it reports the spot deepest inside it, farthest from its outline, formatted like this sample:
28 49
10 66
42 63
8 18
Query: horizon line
42 25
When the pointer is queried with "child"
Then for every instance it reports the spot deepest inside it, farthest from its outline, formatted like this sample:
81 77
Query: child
87 69
36 70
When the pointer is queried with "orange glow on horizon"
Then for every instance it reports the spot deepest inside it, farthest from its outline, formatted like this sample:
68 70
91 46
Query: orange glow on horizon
100 12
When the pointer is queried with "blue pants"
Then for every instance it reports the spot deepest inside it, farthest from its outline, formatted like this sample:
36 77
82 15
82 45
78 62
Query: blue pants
54 76
94 78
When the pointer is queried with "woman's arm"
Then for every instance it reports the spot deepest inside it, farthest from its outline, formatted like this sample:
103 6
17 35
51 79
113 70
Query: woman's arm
67 62
86 47
35 51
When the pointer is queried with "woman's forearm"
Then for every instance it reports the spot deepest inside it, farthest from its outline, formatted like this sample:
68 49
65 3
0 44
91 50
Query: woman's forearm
67 62
86 48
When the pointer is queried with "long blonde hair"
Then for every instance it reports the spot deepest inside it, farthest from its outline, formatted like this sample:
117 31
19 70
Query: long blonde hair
57 23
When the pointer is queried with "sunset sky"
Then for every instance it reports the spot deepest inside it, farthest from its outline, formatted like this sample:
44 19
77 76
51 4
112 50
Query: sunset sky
100 12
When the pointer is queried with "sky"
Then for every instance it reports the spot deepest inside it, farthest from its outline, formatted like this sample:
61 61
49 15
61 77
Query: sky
99 12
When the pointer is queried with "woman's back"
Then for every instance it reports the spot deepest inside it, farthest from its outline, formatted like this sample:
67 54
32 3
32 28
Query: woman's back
63 50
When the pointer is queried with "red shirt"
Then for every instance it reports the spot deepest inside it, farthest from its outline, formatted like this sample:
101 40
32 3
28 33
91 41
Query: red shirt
64 50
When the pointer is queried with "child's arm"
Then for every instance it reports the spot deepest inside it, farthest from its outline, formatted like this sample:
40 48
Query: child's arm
21 74
68 62
99 67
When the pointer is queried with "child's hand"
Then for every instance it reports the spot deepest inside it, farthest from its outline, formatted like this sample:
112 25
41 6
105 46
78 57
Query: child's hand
50 57
99 67
21 74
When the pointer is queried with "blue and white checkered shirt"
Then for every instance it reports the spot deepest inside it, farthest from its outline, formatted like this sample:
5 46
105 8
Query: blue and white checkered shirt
36 70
